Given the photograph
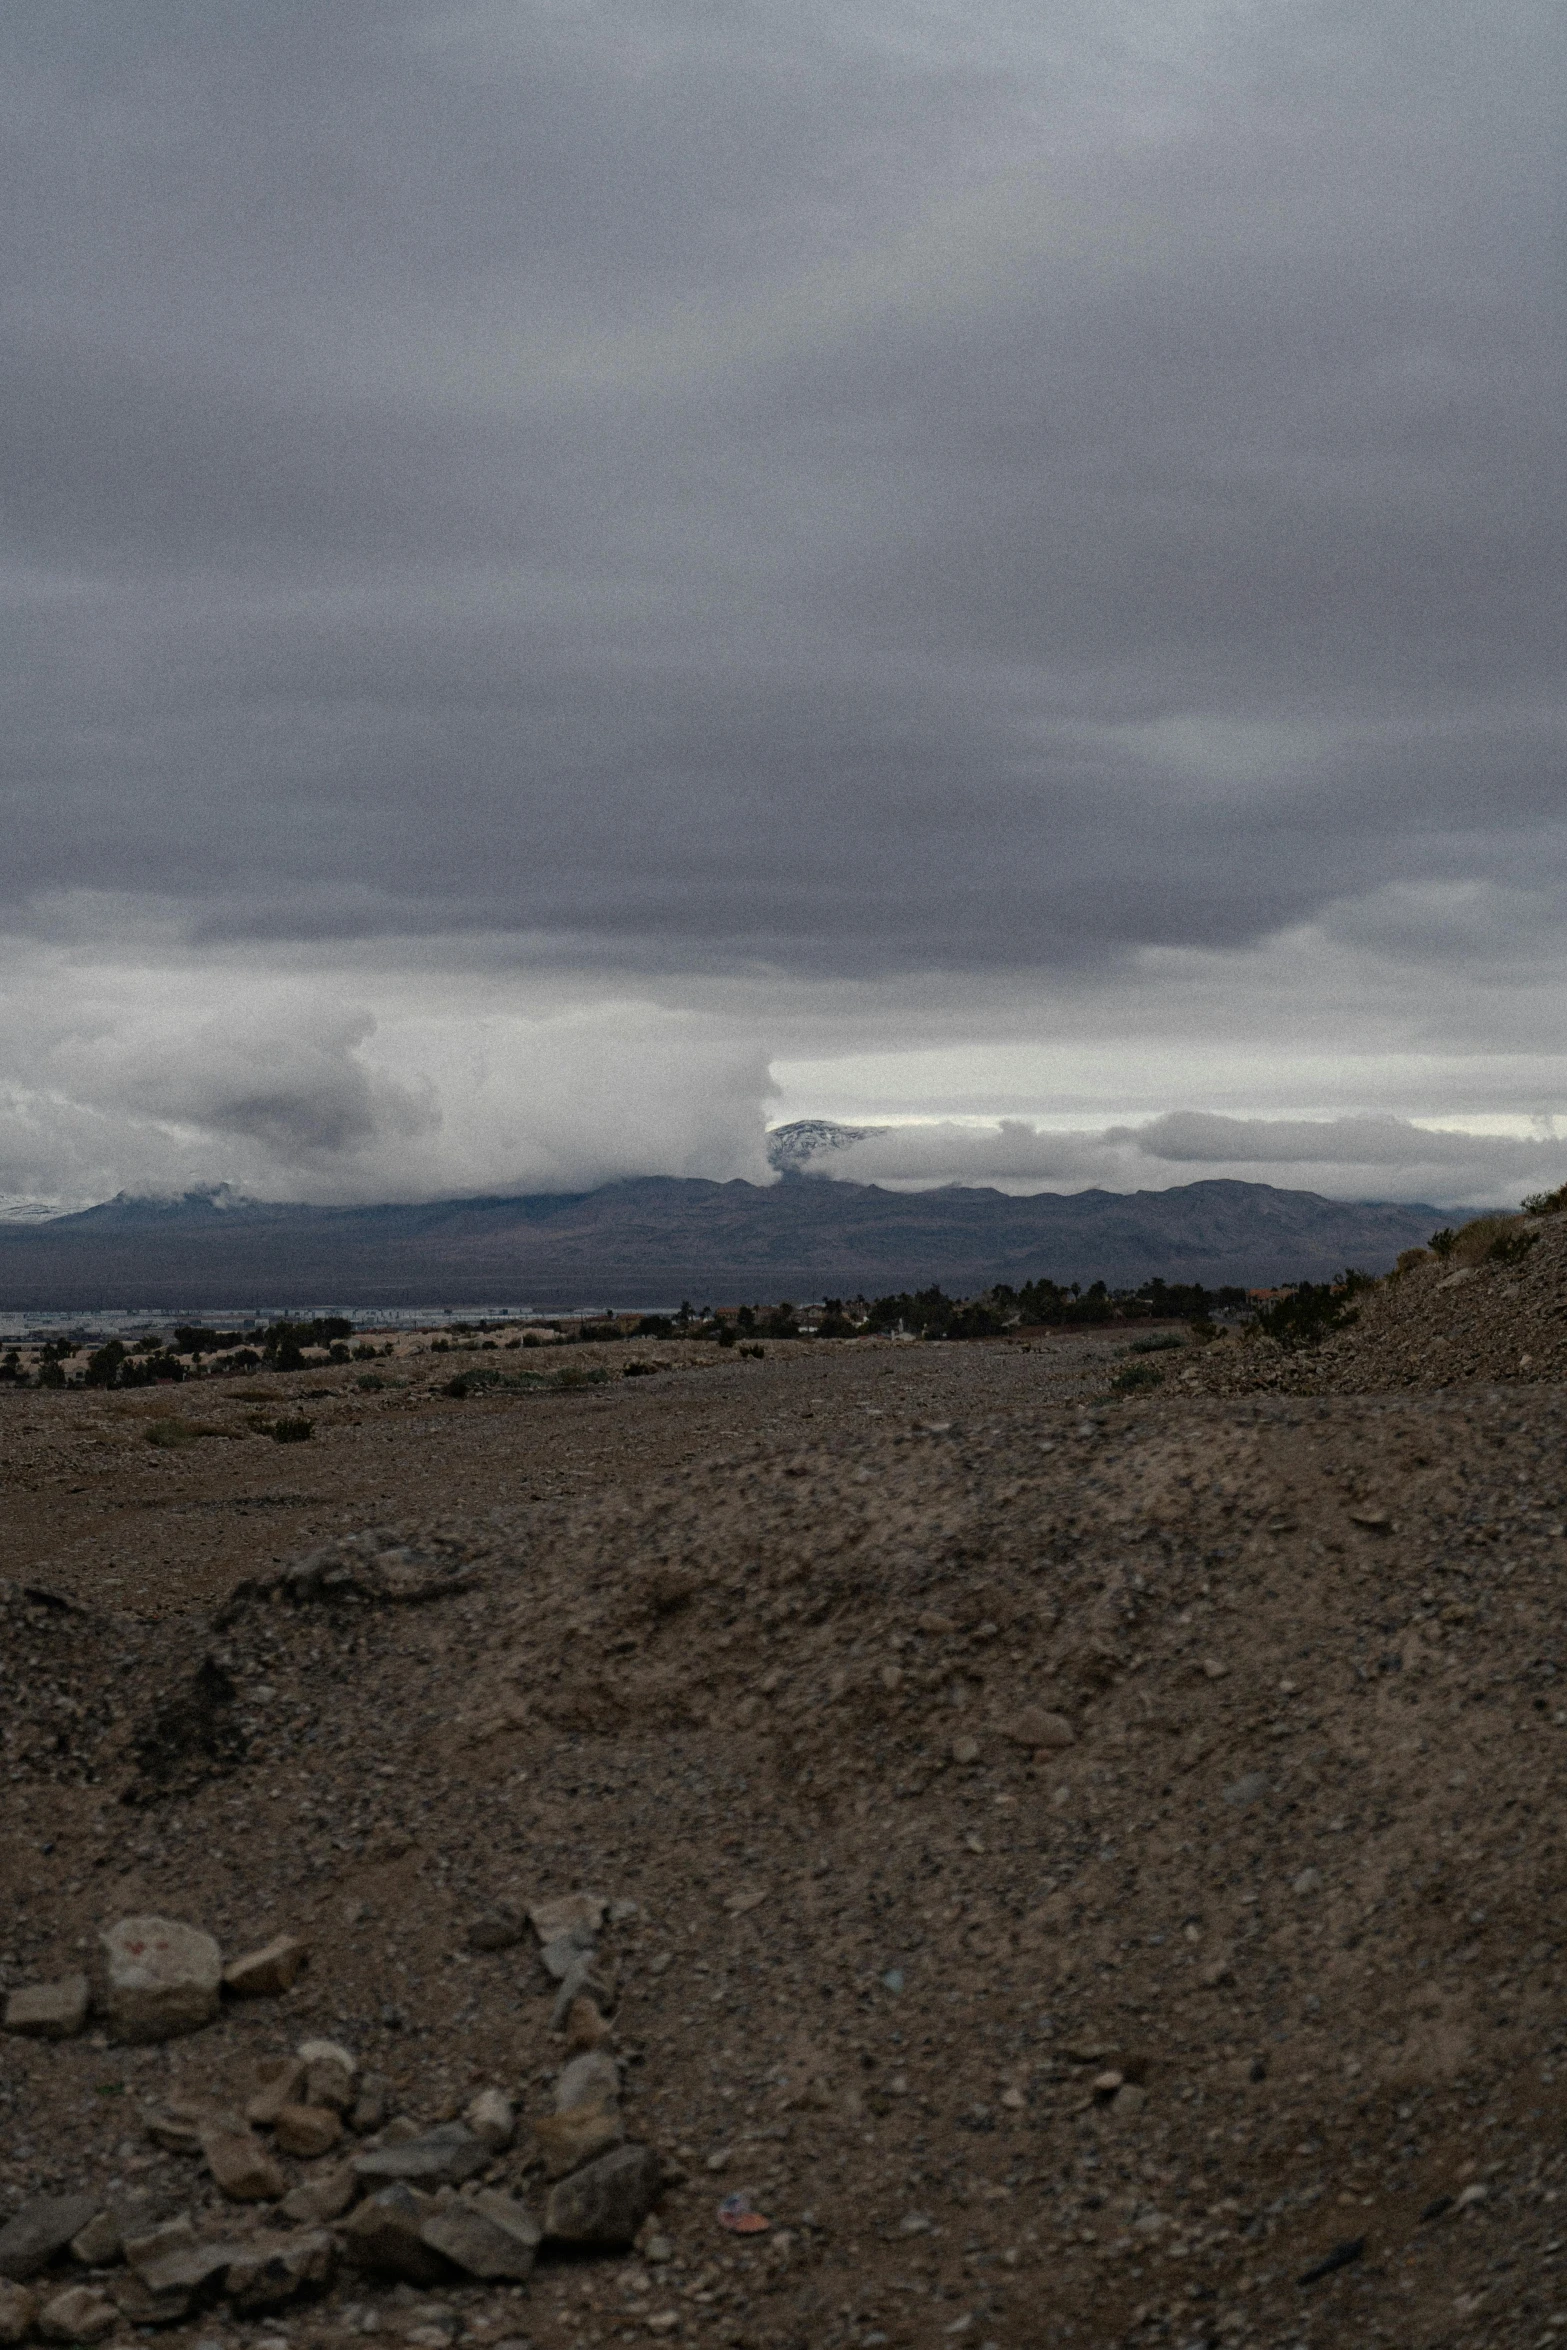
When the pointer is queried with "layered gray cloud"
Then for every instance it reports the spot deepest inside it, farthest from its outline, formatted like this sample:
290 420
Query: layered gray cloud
1367 1157
879 496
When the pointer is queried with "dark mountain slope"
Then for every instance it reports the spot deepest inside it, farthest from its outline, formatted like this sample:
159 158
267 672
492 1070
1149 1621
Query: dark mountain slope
662 1237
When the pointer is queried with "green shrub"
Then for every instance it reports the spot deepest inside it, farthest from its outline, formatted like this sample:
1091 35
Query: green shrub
1495 1239
1133 1376
293 1431
1163 1342
1313 1309
1546 1203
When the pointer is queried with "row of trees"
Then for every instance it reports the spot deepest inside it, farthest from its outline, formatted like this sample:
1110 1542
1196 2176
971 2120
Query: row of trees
156 1362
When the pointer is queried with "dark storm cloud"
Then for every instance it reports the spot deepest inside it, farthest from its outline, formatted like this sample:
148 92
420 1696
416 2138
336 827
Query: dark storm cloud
858 487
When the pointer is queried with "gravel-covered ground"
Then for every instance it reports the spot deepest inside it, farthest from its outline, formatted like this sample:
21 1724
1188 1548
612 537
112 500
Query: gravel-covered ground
1446 1321
1096 1856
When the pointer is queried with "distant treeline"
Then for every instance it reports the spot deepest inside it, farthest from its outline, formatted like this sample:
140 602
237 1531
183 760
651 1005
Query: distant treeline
158 1362
195 1349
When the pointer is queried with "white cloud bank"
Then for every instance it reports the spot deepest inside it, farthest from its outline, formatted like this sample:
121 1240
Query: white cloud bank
331 1088
1352 1157
134 1060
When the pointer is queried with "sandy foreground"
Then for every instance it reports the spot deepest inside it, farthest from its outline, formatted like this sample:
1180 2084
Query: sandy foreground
1095 1859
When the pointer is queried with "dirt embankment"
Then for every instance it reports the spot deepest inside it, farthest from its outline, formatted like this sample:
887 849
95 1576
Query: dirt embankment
1444 1322
1092 1868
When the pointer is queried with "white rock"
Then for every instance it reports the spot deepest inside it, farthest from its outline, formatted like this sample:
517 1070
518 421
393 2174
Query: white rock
331 2071
491 2118
568 1913
590 2080
161 1978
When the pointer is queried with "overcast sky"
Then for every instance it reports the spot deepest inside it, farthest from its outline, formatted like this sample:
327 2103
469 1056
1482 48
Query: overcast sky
581 579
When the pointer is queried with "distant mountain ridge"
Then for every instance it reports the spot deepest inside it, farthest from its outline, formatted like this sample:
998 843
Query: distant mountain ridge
663 1237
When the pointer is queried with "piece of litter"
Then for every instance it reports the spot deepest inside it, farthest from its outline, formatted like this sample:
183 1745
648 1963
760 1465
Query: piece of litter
892 1980
738 1903
737 2215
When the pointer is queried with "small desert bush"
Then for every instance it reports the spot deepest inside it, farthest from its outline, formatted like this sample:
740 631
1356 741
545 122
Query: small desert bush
1494 1239
1312 1311
1134 1376
1160 1343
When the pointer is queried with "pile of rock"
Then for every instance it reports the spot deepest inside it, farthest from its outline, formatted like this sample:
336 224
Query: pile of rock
156 1980
385 2196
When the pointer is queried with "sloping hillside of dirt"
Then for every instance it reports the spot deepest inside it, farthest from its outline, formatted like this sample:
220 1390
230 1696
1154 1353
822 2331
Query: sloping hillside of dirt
1445 1321
1085 1877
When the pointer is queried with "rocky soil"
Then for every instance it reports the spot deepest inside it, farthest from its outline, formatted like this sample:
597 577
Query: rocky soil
1086 1867
1445 1321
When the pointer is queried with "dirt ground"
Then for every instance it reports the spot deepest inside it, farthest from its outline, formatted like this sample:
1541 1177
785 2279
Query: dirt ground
1097 1855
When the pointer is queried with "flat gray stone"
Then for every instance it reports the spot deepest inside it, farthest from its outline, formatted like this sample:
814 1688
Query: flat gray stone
585 1979
99 2244
384 2235
442 2157
486 2236
567 1951
324 2195
143 2248
40 2232
189 2269
601 2206
590 2079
